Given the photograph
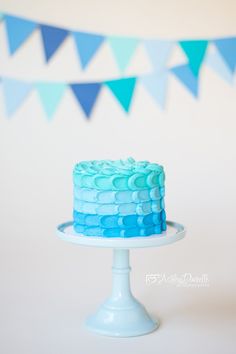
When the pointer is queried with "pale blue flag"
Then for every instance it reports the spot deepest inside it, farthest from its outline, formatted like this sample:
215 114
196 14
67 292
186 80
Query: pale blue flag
217 64
156 85
159 52
123 49
14 92
50 95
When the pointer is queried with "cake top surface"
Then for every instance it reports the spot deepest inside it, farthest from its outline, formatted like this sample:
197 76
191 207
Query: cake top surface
121 167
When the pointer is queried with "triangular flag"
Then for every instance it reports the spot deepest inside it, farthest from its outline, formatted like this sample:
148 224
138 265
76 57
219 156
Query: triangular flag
123 49
86 94
87 45
18 30
187 78
123 90
156 85
14 92
217 63
50 95
52 39
1 16
227 49
159 52
195 51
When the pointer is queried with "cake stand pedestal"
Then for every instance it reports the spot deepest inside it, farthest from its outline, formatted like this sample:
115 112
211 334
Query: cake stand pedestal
121 315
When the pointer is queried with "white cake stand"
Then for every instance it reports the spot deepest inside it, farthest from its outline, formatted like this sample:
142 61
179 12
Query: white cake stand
121 315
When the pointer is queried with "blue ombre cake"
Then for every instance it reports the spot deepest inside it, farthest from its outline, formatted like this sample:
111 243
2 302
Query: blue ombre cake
122 198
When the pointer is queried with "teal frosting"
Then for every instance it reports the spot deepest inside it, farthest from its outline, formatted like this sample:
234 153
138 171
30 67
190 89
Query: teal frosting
122 198
118 175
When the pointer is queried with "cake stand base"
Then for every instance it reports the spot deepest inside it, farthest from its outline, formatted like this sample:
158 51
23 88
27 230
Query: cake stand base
121 315
120 321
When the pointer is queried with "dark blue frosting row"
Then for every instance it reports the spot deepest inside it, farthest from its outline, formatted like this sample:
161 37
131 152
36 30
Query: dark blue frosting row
119 226
111 221
119 232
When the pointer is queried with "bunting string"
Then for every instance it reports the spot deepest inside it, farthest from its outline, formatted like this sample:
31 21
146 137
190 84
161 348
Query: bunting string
51 93
222 60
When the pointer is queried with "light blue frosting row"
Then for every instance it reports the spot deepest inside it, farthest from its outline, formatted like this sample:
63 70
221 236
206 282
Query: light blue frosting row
106 197
121 209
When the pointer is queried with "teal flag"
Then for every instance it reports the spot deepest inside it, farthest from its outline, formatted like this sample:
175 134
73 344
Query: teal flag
187 78
195 51
18 31
87 46
123 49
14 92
50 95
156 86
123 90
1 16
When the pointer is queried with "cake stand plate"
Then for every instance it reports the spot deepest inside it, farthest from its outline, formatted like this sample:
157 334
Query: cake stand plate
121 315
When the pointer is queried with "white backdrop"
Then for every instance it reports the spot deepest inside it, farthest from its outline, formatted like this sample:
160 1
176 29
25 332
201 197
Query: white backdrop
49 287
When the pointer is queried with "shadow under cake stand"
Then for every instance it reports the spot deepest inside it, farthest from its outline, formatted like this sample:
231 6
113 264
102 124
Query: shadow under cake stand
121 315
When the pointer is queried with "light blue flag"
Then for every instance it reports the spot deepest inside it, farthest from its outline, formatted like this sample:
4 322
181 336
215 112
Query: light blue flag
227 49
87 45
217 63
159 52
50 95
123 49
156 85
15 92
187 78
1 16
18 31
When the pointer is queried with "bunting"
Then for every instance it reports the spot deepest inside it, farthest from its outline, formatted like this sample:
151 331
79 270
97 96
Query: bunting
195 52
123 90
15 92
222 60
86 94
52 38
87 45
18 31
227 49
159 52
156 86
217 64
50 95
187 78
123 49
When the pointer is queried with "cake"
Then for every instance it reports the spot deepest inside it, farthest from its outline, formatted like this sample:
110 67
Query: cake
119 198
